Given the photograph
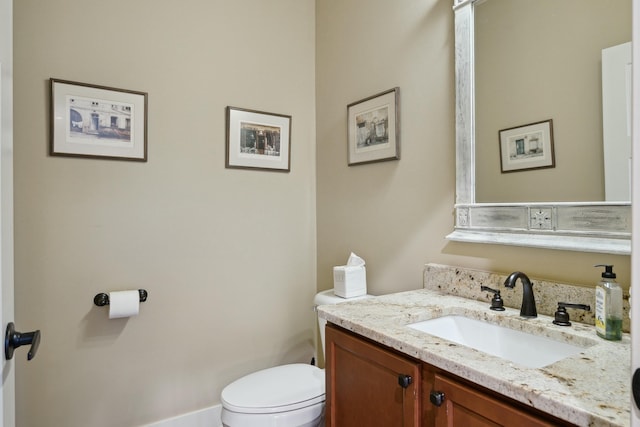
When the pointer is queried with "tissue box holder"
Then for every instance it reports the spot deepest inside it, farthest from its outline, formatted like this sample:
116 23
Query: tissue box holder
349 281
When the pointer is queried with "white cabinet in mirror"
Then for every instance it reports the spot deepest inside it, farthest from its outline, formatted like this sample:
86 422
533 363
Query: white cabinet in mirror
603 227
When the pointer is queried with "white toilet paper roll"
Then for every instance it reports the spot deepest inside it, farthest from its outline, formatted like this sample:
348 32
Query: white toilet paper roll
123 304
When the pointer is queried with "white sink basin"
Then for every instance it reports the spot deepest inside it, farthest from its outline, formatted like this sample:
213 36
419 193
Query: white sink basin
525 349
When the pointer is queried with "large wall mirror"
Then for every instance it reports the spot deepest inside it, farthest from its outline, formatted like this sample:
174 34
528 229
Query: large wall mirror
543 113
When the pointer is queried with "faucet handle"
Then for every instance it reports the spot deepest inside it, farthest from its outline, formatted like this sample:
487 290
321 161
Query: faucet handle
561 315
497 304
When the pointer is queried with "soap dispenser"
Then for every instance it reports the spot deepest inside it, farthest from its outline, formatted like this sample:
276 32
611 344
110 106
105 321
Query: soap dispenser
608 305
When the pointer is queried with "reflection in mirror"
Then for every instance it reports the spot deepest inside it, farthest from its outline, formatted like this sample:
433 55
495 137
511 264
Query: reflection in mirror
541 60
588 226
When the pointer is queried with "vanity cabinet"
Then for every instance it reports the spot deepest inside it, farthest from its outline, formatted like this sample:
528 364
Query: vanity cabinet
368 385
371 385
450 401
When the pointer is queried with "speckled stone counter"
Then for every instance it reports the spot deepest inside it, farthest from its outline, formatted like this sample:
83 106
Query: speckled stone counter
588 389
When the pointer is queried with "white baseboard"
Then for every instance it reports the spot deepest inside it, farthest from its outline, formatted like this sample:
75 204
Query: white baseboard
207 417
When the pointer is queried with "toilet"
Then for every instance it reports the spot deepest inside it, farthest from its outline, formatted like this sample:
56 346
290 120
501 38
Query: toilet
283 396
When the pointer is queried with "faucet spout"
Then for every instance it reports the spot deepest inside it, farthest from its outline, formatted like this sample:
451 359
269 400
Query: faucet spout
528 308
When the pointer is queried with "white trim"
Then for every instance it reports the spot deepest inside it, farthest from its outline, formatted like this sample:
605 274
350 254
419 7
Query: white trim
575 243
7 388
634 299
207 417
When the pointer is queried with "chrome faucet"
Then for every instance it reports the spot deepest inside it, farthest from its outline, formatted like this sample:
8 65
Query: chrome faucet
528 308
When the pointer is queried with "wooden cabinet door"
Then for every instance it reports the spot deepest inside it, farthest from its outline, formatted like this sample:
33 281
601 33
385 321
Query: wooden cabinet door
364 384
464 406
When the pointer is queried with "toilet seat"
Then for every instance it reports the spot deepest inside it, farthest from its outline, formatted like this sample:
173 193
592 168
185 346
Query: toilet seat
278 389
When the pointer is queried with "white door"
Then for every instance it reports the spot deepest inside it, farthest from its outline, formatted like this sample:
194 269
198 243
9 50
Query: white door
635 235
6 205
616 121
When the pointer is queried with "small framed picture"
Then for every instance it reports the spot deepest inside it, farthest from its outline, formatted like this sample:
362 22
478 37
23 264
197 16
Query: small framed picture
258 140
97 121
374 128
527 147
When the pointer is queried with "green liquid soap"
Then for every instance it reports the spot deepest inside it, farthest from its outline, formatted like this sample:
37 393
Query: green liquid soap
613 329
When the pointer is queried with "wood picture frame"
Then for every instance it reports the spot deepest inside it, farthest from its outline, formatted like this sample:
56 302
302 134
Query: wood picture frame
527 147
374 128
258 140
96 121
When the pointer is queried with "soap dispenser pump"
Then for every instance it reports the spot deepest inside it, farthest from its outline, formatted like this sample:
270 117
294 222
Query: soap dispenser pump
608 305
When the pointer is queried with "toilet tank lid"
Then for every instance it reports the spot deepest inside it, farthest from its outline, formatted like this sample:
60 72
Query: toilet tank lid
328 297
285 387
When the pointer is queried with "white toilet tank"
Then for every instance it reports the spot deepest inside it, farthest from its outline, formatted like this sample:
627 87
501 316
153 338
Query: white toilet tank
325 298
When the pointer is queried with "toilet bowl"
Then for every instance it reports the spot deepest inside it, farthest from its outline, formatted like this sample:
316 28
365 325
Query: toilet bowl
283 396
287 395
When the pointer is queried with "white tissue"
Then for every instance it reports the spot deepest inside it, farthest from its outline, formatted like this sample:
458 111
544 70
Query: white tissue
123 304
355 260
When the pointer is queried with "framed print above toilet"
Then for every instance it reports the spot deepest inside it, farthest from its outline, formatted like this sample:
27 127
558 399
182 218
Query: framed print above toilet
374 128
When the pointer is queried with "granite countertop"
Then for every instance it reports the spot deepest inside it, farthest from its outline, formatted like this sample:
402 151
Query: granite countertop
588 389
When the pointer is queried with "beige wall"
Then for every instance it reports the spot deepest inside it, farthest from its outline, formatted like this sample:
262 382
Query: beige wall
396 214
228 256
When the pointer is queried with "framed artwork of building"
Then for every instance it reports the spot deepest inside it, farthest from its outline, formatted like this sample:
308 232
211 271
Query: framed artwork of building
258 140
527 147
97 121
374 128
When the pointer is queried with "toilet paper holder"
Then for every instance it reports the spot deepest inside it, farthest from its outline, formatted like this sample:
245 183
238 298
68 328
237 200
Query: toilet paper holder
102 299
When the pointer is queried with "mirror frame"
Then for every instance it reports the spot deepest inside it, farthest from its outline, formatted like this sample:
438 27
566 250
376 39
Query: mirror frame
603 227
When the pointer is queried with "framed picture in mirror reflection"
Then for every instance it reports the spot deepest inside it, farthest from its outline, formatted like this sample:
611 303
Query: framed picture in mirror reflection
527 147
